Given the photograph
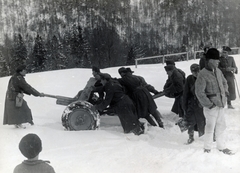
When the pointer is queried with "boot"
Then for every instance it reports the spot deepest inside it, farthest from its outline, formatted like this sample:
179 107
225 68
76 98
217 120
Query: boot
227 151
230 105
190 140
138 130
31 122
160 124
207 150
20 126
191 137
157 115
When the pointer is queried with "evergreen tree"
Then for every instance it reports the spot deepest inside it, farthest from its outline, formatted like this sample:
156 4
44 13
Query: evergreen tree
4 69
19 53
56 59
38 55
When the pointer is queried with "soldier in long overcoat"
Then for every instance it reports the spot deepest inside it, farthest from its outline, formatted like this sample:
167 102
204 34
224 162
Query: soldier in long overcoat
14 115
140 95
173 88
193 110
122 105
228 67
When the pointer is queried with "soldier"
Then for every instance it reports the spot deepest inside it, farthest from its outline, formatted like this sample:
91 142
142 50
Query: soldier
171 62
193 110
87 94
138 92
16 109
173 88
228 67
122 105
202 61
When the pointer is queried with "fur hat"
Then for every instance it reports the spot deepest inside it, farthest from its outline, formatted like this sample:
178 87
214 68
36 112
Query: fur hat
95 69
226 48
30 145
21 68
194 67
212 53
169 67
170 62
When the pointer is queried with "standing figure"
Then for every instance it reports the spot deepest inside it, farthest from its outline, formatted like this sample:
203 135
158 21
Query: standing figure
171 62
143 100
30 146
173 88
122 105
202 61
193 110
16 109
228 67
211 89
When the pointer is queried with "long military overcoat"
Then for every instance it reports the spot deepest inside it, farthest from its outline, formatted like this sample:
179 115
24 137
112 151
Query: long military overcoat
228 67
193 109
13 114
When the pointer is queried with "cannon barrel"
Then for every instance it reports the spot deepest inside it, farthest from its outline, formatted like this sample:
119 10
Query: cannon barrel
61 100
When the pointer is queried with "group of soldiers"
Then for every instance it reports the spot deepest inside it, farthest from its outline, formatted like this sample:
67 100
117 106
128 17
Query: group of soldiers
130 98
127 97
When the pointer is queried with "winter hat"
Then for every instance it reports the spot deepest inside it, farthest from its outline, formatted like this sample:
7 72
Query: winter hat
105 76
21 68
122 70
226 48
30 145
212 53
194 68
95 69
129 70
170 62
169 67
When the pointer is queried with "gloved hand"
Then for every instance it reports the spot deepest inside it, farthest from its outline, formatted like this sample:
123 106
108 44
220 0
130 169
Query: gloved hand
42 95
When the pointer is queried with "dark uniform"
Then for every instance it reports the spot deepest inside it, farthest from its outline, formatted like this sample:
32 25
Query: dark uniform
228 67
173 88
122 105
143 100
18 115
193 110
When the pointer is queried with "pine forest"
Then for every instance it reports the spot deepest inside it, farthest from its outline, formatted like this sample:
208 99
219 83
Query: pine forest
60 34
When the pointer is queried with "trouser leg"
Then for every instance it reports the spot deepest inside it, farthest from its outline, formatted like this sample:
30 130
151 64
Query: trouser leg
211 116
150 120
157 116
220 128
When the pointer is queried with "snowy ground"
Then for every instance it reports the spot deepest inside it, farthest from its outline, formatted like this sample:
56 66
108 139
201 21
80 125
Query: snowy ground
108 150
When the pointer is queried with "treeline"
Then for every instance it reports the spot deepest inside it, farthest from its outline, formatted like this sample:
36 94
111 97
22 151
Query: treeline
53 34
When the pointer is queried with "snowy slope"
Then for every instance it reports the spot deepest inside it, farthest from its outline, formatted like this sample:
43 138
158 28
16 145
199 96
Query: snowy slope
108 150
